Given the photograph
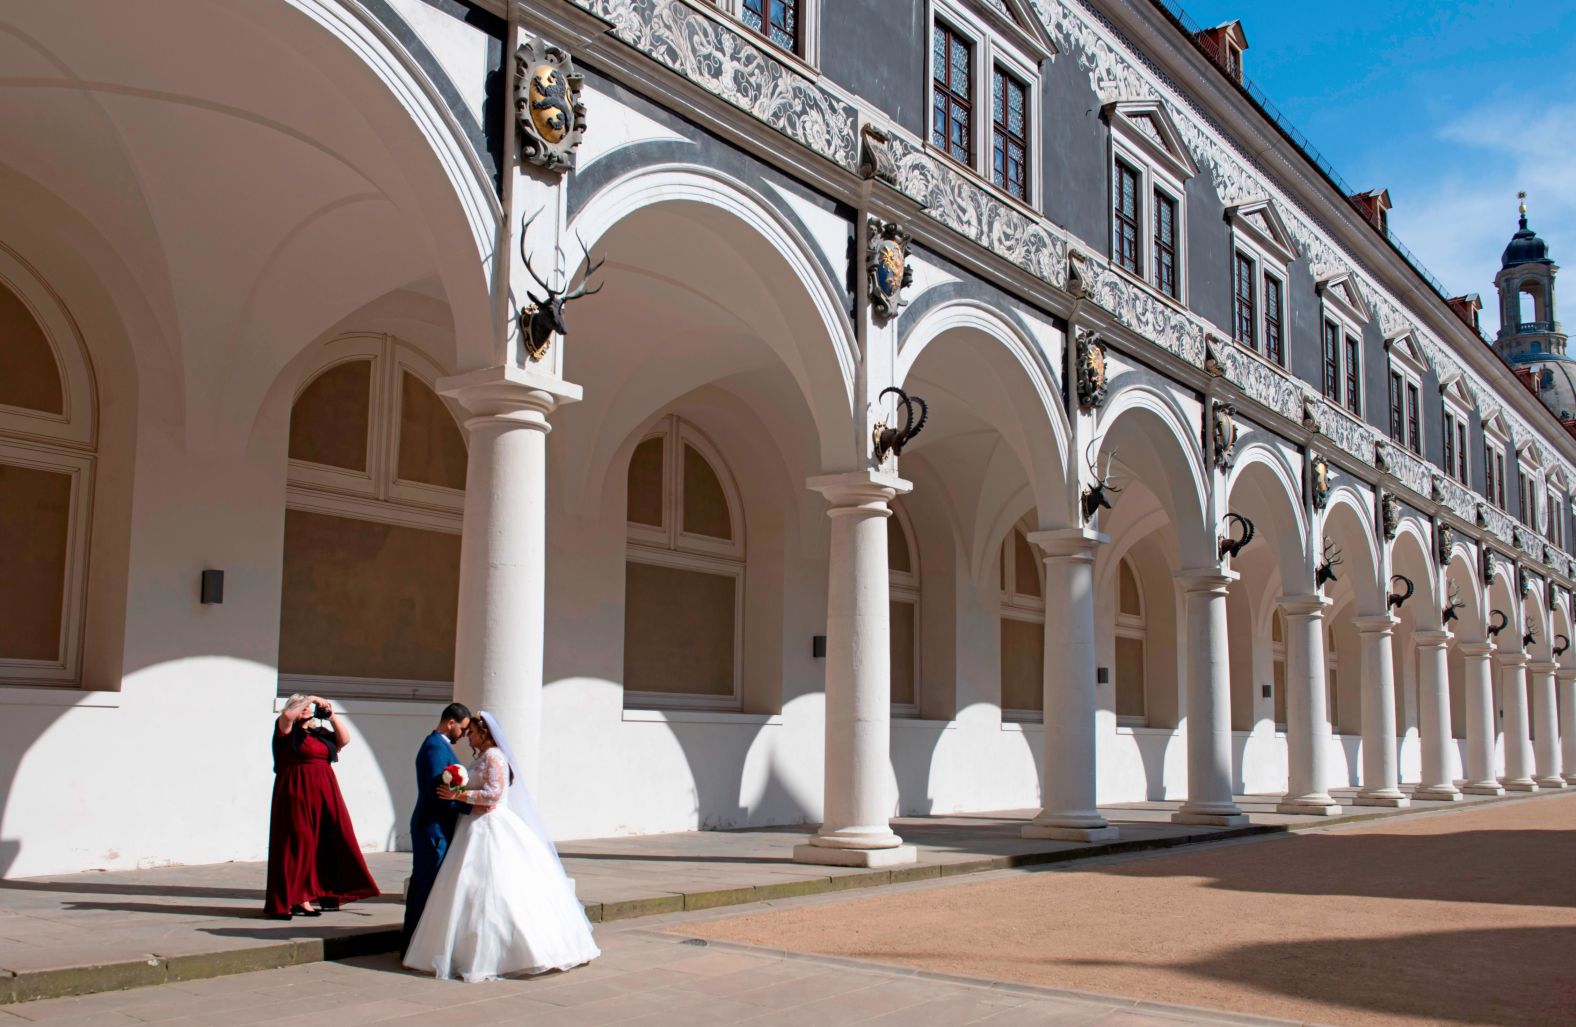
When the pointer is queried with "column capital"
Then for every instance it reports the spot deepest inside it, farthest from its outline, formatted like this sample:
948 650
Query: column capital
1511 658
1311 604
1432 639
510 393
1481 649
1068 543
1565 674
1206 579
1541 666
859 488
1377 624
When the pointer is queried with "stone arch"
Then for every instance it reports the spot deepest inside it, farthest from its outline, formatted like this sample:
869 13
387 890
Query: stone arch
1348 522
1536 620
1272 490
1461 574
1158 444
1037 428
803 324
1410 556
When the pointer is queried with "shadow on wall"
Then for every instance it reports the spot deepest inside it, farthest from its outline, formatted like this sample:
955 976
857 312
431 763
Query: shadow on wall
913 748
1153 747
31 723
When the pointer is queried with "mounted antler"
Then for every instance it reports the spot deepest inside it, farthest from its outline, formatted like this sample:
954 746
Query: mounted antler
544 317
1452 611
1326 569
1232 546
892 440
1397 600
1095 496
1495 629
1565 644
1530 639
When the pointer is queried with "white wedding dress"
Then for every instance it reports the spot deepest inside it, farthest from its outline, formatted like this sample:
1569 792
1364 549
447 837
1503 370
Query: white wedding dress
501 904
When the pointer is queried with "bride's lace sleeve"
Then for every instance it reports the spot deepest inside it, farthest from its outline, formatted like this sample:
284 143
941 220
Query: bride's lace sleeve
488 788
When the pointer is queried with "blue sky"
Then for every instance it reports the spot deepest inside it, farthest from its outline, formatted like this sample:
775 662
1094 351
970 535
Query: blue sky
1453 107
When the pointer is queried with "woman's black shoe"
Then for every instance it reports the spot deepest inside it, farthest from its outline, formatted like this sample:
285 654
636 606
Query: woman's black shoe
276 916
303 911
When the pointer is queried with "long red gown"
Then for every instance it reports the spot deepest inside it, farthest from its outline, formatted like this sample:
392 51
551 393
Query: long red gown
312 850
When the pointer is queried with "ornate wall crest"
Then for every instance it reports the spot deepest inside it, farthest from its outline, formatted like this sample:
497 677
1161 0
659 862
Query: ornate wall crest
1223 434
1091 370
547 105
1318 481
1523 581
1444 542
875 156
1389 514
1486 564
886 264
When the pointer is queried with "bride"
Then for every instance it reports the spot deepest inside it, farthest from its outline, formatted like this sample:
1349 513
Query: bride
501 903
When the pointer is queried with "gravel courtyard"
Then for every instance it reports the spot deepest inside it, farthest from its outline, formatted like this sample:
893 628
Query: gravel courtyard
1458 917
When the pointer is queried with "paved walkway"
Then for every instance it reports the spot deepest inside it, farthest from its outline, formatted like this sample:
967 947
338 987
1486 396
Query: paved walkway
82 933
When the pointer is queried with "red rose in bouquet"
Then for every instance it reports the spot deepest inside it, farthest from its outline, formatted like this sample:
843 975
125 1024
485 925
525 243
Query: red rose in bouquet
454 776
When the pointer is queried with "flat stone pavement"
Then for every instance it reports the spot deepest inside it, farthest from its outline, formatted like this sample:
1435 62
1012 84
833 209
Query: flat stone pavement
82 933
644 977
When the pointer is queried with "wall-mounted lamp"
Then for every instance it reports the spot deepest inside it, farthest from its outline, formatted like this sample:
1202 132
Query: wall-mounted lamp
211 592
818 646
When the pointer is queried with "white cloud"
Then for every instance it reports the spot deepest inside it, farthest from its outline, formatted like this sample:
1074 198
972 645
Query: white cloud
1456 206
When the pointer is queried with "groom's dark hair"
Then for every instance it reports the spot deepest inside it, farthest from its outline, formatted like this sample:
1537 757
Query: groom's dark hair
454 711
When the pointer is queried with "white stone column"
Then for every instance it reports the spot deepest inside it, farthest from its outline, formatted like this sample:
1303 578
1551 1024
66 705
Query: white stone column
1209 798
1545 726
1518 743
1481 779
1565 681
1381 774
503 549
856 829
1307 710
1433 700
1067 782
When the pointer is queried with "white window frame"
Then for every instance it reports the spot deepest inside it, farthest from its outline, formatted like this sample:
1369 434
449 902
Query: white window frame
1134 627
1342 303
671 546
904 587
1496 441
1529 486
377 494
1258 232
993 42
809 30
1557 489
1456 405
1017 606
1406 359
60 443
1162 164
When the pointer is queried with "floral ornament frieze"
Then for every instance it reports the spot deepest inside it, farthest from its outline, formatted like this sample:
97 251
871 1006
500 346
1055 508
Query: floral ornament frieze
731 66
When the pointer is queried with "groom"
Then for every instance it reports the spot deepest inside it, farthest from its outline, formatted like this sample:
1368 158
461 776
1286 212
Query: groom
433 820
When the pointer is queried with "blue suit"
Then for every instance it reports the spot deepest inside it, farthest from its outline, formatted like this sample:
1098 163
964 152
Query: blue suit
432 825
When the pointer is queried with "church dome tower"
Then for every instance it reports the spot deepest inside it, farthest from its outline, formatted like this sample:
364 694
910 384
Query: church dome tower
1530 336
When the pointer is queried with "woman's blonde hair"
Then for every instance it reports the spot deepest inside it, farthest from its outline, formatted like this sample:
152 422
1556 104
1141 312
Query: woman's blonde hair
294 701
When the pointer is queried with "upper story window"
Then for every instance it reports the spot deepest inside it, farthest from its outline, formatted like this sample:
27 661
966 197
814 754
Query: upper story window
1456 404
1495 439
1529 491
1405 376
1150 167
788 24
1344 312
1553 522
1261 251
984 91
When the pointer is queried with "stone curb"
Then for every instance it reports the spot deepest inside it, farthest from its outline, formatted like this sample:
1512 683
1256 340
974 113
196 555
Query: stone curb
155 969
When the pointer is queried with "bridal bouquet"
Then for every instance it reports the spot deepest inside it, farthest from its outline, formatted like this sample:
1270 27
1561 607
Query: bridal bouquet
454 776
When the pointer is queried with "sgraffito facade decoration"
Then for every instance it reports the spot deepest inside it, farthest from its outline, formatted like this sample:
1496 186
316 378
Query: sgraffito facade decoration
548 110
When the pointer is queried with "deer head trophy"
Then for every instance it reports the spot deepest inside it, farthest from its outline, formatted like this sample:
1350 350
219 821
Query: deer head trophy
1495 629
1396 600
1232 546
1530 639
892 440
1453 610
543 317
1097 496
1325 572
1564 644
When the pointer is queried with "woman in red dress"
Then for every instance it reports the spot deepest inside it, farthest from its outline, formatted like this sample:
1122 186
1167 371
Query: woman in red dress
313 858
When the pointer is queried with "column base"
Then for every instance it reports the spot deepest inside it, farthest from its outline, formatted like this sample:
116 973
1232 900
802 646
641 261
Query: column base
829 857
1570 779
1524 784
1311 807
1387 799
1551 782
1209 819
1483 789
1071 834
1438 794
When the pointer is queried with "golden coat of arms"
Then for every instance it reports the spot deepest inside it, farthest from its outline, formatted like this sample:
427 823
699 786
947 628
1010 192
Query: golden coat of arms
549 114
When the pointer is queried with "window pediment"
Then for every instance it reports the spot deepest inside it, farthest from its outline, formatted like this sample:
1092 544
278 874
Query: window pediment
1454 388
1495 428
1263 225
1340 290
1019 20
1147 125
1403 347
